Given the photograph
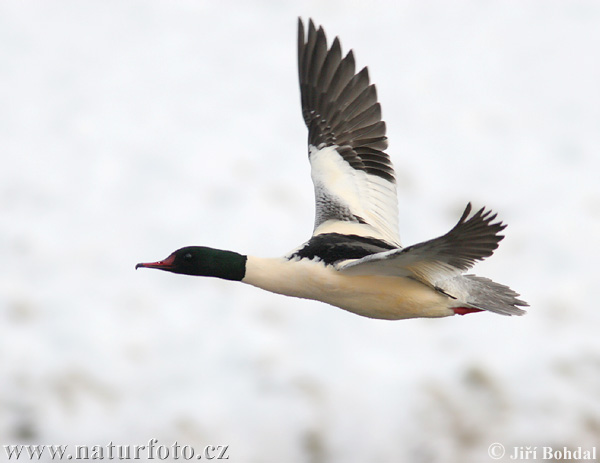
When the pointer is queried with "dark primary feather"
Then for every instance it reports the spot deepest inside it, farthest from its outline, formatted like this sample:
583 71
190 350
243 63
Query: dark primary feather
468 242
340 106
472 239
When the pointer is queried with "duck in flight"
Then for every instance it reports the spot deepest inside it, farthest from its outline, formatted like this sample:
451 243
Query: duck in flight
354 259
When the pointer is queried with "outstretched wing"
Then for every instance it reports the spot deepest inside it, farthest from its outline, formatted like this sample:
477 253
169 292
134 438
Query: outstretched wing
470 240
355 187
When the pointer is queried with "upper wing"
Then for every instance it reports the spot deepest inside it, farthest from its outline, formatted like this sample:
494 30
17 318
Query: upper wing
457 251
353 177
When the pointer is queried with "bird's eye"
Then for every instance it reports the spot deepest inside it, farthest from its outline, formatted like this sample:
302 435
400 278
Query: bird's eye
187 257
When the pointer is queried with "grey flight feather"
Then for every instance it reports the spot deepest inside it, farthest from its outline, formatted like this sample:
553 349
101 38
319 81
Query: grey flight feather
471 240
340 106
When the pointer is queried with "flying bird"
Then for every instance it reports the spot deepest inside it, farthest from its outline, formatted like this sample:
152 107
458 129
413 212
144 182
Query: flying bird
354 259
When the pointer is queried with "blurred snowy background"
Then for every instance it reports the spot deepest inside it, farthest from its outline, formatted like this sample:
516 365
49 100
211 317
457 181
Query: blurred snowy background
131 128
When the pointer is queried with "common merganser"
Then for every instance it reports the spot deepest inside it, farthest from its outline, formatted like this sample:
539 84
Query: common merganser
354 259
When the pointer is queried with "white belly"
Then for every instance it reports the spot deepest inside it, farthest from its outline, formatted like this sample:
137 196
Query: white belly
372 296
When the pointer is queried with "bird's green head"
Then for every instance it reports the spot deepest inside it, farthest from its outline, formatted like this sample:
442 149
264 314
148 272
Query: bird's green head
202 261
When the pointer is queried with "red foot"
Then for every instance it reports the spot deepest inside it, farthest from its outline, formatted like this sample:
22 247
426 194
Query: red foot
465 310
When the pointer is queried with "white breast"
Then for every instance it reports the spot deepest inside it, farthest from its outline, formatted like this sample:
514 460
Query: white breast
372 296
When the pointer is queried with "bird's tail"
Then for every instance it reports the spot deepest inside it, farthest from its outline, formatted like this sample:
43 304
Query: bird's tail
485 294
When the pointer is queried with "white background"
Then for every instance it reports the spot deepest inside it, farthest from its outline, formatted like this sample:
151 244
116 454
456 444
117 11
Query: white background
129 129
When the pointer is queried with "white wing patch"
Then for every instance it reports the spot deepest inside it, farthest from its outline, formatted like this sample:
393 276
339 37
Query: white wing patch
346 197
